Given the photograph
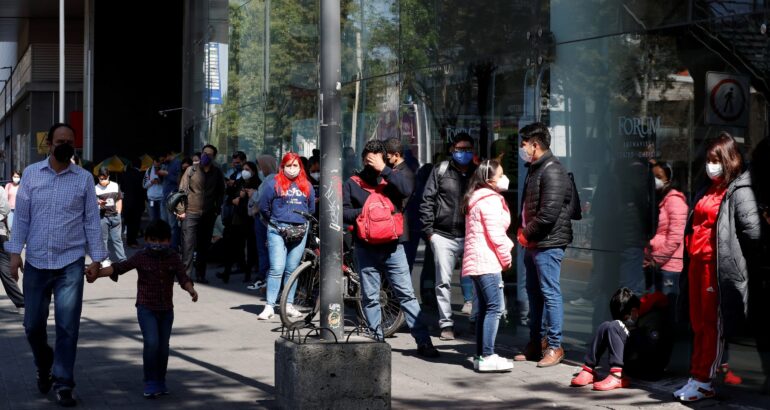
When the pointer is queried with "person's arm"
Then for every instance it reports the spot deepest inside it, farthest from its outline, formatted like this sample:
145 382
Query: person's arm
492 209
181 276
402 181
92 226
265 199
21 223
554 187
665 244
428 205
748 225
119 202
146 181
349 211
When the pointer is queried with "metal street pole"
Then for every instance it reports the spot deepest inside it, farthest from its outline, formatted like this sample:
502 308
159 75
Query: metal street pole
332 307
61 61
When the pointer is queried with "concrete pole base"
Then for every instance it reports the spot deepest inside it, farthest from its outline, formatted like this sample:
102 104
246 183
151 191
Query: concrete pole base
316 375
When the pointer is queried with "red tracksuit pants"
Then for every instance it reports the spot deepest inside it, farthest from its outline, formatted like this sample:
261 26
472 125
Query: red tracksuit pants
708 343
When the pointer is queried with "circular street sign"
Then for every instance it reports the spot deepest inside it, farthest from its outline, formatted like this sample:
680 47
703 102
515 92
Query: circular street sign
727 99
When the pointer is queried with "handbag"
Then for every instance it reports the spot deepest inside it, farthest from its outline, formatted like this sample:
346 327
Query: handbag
291 233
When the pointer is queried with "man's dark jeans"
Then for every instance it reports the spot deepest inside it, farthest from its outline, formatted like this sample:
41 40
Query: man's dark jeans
196 232
66 285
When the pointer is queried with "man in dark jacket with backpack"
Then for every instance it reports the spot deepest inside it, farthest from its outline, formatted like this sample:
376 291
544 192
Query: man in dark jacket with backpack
443 224
545 230
376 253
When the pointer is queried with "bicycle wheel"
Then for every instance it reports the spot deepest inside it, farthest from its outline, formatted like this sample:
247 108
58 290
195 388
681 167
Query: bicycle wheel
307 298
392 318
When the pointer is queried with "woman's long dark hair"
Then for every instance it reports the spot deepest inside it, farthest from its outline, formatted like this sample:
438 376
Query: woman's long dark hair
486 170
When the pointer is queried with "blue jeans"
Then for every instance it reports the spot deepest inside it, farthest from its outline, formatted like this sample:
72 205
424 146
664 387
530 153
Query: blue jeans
391 261
489 291
112 232
260 231
284 258
154 208
546 310
66 285
668 283
156 332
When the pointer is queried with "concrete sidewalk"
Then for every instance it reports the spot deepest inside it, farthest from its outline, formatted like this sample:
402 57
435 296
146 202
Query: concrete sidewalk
222 358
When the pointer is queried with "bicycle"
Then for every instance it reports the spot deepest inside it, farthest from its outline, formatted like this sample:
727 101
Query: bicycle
307 298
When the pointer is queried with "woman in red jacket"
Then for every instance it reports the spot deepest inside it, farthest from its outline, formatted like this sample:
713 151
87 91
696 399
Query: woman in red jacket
722 241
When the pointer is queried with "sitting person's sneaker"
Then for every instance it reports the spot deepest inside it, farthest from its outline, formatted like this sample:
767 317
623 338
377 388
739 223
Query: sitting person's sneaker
151 389
728 377
494 363
695 391
64 398
584 378
267 313
44 380
615 380
427 350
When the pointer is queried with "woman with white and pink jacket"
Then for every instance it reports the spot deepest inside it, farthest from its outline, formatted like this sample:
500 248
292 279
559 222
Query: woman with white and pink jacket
666 248
487 253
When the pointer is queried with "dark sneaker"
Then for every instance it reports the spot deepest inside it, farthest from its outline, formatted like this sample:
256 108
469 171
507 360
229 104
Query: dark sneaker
64 398
44 380
151 390
447 333
163 389
427 350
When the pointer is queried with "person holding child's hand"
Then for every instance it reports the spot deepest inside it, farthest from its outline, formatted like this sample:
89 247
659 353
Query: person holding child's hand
157 266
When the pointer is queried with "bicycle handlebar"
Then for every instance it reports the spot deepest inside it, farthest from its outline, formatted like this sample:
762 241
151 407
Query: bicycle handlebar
307 216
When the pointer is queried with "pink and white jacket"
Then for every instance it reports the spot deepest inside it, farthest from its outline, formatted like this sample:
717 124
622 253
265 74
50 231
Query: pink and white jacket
487 247
667 247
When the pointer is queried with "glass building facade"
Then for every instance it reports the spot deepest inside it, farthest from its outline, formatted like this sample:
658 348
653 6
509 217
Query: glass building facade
619 83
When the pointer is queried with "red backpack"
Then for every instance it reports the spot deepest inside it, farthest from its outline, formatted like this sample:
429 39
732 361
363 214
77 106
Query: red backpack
379 222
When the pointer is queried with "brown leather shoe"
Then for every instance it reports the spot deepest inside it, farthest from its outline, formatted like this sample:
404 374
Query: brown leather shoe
532 351
551 357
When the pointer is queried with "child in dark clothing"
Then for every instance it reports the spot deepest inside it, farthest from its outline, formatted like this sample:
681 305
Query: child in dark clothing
157 265
631 339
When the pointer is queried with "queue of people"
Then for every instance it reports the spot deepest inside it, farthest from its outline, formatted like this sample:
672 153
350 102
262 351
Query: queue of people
704 260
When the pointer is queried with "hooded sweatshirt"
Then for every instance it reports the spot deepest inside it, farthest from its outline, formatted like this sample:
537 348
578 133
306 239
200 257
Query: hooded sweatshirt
487 247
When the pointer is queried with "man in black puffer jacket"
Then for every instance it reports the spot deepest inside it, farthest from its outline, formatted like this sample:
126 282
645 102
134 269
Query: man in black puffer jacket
545 230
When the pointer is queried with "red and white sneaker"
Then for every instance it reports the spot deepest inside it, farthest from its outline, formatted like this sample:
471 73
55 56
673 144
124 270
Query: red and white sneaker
612 382
584 378
695 391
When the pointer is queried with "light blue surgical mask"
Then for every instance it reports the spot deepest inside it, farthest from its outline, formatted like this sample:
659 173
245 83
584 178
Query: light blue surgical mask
462 158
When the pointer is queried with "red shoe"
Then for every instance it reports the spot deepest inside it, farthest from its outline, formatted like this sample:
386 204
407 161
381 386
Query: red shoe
612 382
732 378
584 378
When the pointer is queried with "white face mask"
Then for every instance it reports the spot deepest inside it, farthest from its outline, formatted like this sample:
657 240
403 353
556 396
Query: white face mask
245 174
659 184
714 171
16 180
315 175
502 183
291 173
524 155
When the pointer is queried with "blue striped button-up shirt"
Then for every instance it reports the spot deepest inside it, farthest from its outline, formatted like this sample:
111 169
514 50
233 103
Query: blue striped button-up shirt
57 217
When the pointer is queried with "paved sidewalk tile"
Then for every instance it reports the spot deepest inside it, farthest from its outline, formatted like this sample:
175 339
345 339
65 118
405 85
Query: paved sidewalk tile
222 358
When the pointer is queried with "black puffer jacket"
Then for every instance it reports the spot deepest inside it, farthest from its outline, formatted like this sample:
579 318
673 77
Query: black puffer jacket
441 210
738 250
547 195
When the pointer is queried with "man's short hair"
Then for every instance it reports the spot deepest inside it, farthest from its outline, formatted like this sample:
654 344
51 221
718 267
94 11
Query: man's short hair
394 146
213 148
375 146
622 302
158 230
536 132
104 172
463 136
55 127
240 155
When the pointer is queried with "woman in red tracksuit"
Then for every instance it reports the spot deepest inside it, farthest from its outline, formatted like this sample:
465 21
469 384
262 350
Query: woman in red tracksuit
722 241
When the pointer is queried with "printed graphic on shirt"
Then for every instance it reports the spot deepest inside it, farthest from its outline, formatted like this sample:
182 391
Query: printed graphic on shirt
295 196
108 197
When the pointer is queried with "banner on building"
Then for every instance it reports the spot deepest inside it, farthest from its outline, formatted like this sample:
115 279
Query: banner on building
213 83
727 99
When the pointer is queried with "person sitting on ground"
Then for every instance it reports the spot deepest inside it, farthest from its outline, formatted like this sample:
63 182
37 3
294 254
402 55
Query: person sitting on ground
631 339
157 265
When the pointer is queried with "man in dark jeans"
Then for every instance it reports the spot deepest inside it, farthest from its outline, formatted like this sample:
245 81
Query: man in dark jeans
205 187
545 230
389 258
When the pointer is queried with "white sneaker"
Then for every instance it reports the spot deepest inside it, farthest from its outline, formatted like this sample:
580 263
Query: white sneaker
581 302
494 363
684 388
267 313
467 307
259 284
292 311
696 391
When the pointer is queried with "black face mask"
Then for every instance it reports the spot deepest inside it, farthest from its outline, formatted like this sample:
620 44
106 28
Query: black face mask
369 175
63 152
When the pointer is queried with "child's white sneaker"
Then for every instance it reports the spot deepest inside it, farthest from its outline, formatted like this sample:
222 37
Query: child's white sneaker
494 363
292 311
267 313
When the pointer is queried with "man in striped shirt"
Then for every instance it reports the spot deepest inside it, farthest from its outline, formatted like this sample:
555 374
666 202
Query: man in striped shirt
57 218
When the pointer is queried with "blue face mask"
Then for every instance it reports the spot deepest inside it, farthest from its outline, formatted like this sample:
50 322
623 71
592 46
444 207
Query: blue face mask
462 158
